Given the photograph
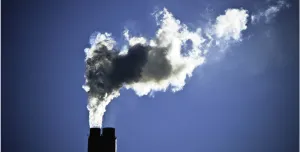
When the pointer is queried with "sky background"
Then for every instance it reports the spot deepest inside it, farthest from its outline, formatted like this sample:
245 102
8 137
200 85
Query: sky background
247 101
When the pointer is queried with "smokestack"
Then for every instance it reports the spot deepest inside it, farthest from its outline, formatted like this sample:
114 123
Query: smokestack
109 140
94 141
102 143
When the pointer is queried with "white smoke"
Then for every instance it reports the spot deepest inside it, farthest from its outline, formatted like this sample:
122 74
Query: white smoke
169 62
268 14
156 76
231 24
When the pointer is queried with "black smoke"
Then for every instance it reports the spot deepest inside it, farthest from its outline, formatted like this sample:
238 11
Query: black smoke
127 69
107 71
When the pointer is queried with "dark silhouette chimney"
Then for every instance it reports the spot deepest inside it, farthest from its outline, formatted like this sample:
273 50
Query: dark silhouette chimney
109 139
106 142
94 141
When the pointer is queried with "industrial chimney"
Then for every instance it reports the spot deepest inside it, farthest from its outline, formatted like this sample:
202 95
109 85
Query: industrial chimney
109 139
105 142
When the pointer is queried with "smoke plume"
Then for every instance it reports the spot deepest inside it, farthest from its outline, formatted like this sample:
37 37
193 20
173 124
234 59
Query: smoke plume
148 65
269 13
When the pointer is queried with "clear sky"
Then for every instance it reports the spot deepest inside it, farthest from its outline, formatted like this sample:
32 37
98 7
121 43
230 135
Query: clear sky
244 101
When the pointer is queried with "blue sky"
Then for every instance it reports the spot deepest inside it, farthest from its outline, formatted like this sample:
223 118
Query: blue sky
247 100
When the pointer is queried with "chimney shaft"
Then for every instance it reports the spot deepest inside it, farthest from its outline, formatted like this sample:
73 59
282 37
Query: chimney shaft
95 141
106 142
109 139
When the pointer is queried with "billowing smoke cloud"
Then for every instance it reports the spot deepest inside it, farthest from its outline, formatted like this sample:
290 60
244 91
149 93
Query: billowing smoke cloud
148 65
230 25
